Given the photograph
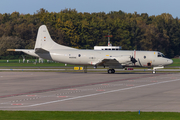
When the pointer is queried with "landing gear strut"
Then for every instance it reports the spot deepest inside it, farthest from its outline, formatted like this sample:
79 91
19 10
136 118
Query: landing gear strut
111 71
155 68
85 69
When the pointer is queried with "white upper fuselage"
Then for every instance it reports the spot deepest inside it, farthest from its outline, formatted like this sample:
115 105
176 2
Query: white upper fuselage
93 57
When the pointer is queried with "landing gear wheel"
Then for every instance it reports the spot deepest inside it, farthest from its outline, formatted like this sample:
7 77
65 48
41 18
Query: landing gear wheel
111 71
154 72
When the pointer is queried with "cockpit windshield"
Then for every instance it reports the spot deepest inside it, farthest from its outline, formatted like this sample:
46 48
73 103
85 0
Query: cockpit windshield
160 55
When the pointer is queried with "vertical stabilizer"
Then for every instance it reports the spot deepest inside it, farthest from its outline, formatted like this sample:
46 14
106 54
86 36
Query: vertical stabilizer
44 40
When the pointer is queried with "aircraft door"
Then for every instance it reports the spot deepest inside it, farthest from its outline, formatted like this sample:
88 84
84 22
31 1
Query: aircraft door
149 64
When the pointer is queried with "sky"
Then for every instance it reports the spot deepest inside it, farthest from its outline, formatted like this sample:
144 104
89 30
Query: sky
151 7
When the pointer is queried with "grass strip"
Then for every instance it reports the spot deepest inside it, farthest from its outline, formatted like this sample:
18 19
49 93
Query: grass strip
15 63
63 115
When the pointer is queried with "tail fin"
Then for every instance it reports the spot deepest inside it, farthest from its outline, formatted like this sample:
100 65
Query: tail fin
45 42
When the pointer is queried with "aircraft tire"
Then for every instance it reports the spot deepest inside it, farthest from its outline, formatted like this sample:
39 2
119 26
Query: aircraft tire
111 71
154 71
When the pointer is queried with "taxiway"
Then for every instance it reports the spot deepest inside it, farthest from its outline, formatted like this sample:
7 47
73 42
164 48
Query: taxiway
57 91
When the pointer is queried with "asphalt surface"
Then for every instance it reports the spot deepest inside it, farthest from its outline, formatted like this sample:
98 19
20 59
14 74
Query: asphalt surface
71 69
67 91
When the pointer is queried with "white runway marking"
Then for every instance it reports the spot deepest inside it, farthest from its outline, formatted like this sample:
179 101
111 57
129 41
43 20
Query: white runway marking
78 97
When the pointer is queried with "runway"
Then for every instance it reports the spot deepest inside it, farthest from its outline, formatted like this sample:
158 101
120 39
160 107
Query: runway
57 91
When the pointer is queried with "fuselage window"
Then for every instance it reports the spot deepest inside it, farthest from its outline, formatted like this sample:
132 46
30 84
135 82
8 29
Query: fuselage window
79 55
144 57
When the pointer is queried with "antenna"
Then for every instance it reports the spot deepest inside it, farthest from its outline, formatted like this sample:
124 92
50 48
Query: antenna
109 44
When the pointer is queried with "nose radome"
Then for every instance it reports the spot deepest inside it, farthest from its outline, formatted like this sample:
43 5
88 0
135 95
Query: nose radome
170 61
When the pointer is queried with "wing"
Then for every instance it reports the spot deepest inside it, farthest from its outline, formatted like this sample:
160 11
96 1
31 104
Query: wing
111 63
115 62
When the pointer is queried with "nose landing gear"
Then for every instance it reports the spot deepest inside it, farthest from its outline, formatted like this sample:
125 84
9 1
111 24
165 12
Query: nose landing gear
155 68
111 71
154 71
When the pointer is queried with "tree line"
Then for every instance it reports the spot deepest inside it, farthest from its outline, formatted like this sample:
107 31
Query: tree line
132 31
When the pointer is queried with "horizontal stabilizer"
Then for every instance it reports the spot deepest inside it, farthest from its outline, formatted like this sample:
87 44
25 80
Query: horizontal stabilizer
40 50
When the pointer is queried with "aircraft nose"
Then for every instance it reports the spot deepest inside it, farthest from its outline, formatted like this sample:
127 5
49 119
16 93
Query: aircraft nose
170 61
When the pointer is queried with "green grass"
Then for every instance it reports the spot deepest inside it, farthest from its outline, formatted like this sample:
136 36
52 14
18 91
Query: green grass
32 64
15 63
176 62
59 115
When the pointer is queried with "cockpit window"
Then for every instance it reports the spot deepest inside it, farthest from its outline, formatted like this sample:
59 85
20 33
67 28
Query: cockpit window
163 55
160 55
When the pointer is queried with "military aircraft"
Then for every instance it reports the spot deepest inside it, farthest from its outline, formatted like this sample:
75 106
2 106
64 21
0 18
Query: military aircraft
46 48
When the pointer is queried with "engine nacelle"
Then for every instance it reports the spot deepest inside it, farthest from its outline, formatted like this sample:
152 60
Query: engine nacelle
125 59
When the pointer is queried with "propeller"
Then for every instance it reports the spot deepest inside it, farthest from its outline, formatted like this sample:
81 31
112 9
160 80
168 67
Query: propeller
133 60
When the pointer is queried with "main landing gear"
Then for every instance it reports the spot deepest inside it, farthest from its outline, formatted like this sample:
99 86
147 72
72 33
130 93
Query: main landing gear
85 69
111 71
